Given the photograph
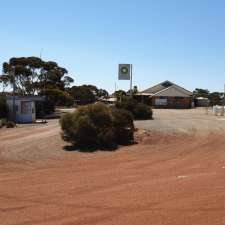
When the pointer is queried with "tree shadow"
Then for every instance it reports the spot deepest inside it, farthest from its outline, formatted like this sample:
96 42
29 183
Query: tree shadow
89 149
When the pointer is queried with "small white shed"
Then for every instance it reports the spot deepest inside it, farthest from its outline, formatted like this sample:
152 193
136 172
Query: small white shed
25 111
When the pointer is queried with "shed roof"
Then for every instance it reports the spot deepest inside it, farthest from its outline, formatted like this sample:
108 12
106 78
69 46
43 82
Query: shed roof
27 98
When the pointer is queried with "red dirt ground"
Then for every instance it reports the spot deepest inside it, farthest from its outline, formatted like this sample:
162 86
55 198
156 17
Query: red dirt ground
175 179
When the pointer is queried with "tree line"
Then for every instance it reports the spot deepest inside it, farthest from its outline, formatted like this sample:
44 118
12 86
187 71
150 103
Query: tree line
215 98
34 76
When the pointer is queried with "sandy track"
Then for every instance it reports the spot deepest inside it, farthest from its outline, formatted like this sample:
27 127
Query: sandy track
164 180
31 142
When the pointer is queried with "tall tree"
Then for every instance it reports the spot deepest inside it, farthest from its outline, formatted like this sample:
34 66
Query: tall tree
33 75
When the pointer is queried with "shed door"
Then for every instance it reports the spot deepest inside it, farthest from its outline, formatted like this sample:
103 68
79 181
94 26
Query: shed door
26 112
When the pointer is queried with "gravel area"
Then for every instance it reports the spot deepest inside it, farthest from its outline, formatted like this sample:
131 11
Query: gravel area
170 120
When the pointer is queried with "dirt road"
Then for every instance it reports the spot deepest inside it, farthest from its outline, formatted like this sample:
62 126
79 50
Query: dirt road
165 179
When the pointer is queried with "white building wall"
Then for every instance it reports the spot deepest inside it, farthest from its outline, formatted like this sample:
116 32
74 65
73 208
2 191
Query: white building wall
22 117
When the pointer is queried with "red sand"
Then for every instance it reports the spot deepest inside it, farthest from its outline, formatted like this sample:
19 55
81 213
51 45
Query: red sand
164 180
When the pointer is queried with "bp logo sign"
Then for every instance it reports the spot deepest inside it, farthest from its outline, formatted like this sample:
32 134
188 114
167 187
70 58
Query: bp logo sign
124 71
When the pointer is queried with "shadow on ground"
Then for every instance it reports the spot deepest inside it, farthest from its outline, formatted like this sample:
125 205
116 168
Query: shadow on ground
88 149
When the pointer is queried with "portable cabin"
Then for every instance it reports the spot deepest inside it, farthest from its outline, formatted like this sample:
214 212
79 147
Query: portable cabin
25 110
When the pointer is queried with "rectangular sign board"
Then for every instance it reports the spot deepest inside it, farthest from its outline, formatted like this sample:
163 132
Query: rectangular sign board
124 71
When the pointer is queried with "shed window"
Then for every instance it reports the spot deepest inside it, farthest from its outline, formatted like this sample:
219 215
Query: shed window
26 107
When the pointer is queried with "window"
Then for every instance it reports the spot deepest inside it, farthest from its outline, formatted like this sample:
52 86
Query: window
26 107
160 101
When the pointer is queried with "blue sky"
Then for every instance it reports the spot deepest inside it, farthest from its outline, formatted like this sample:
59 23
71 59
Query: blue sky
178 40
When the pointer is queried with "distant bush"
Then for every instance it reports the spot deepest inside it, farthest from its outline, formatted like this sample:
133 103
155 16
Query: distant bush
97 125
53 98
3 107
140 111
83 94
44 108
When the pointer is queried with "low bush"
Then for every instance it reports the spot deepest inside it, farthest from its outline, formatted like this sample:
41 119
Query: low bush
140 111
123 125
53 98
98 126
10 124
3 122
3 107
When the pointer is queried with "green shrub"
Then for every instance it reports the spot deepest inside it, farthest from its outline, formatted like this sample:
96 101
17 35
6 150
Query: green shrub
127 103
138 110
3 107
97 125
123 125
142 112
3 122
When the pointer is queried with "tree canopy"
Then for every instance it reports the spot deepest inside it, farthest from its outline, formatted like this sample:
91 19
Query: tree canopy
86 94
215 98
198 92
33 75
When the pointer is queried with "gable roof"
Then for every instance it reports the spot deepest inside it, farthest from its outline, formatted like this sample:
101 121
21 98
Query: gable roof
167 87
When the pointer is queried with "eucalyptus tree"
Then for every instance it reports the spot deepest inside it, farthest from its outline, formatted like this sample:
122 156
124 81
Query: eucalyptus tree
32 75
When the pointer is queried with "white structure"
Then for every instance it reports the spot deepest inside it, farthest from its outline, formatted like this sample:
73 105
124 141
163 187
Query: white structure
218 110
25 111
202 102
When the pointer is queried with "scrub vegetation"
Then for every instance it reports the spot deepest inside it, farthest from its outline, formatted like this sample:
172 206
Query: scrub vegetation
98 126
139 111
